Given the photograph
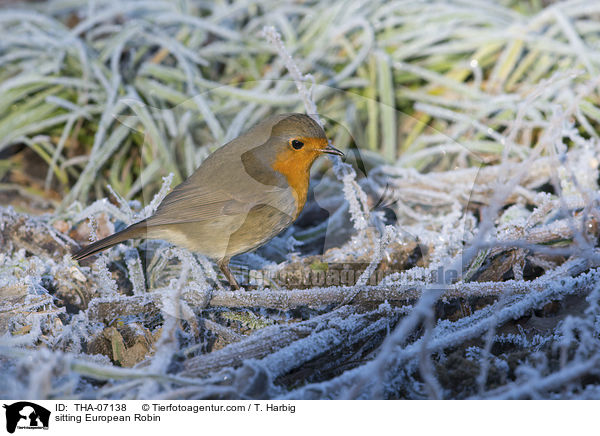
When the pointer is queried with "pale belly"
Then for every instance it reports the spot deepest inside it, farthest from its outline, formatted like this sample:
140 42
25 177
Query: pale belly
227 235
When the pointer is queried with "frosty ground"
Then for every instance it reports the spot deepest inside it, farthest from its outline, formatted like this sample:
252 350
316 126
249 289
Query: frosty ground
453 255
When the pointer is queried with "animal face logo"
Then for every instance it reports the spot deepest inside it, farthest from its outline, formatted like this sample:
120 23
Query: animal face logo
26 415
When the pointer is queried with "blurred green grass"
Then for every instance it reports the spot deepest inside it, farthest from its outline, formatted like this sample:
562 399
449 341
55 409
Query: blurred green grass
122 93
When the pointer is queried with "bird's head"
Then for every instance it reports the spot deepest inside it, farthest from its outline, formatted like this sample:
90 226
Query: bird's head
285 159
296 142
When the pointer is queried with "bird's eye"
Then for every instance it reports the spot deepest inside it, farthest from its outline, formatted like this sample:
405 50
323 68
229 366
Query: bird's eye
297 144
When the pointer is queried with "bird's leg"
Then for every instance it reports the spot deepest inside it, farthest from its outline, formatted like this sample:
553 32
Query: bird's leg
224 266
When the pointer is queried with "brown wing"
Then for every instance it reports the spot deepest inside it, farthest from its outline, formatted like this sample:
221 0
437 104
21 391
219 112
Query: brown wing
189 202
187 208
231 181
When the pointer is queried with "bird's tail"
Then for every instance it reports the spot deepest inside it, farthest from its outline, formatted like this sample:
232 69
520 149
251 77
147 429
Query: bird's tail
136 230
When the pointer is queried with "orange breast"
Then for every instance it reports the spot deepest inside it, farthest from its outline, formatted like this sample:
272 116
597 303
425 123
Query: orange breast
297 174
295 166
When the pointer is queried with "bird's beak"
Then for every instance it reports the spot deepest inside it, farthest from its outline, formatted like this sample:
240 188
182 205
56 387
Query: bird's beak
331 150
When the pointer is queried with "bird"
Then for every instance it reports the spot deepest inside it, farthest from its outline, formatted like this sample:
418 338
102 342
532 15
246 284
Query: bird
241 196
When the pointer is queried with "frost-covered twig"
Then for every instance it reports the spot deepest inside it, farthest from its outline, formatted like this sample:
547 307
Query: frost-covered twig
274 39
354 194
362 381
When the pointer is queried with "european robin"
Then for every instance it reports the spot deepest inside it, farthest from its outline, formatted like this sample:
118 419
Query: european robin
240 197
